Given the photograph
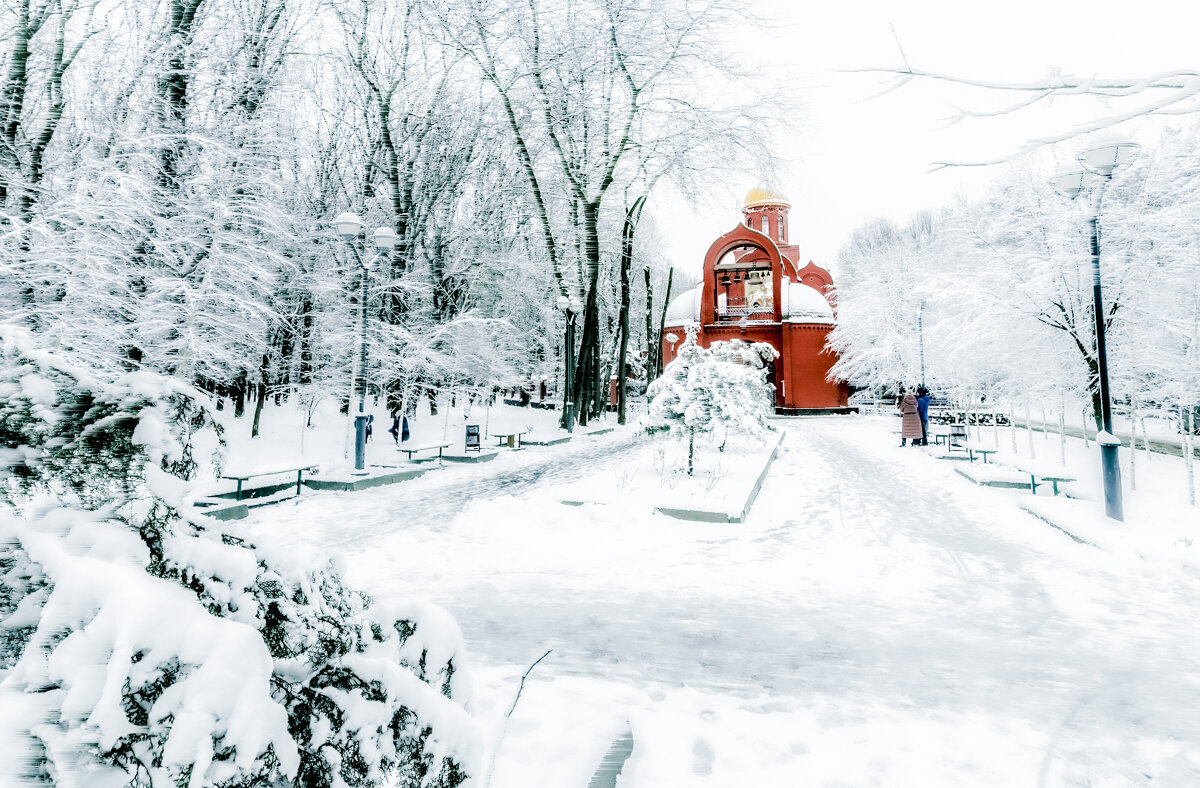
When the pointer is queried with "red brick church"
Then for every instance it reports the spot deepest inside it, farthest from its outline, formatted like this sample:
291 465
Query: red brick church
754 289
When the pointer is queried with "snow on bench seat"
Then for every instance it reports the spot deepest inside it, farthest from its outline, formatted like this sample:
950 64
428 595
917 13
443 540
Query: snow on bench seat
412 448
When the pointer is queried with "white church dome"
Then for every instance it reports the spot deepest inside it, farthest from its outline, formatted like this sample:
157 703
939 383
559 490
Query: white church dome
685 308
803 304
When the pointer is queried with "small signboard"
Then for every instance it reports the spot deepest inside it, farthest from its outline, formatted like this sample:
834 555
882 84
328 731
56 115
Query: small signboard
472 443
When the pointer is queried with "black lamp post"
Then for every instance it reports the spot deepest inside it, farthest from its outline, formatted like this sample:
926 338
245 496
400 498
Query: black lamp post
348 227
571 307
1099 163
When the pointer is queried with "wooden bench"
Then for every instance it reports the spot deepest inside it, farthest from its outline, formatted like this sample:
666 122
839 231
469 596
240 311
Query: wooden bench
414 448
513 438
982 449
243 477
1047 473
940 436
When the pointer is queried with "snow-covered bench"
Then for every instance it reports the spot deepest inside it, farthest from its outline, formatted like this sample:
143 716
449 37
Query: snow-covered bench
982 449
415 448
245 476
511 437
1046 472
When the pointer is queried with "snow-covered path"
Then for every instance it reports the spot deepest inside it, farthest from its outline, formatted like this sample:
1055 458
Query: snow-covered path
877 621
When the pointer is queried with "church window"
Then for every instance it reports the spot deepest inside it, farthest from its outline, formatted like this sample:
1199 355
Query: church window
766 225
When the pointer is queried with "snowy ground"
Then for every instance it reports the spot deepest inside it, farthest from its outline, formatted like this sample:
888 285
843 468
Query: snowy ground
878 620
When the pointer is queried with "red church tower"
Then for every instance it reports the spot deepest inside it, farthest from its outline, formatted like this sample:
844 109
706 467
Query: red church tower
754 289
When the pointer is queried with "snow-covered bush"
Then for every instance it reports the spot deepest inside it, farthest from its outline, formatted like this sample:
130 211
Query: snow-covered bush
141 647
721 389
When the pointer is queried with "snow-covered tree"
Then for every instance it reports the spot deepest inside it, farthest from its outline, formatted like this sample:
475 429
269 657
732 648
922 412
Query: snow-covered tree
720 389
170 652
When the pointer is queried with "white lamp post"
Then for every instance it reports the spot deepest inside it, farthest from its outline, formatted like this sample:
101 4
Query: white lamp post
1099 162
349 226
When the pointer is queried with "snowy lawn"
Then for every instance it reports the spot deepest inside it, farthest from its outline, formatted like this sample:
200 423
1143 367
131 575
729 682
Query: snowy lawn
721 485
328 444
878 620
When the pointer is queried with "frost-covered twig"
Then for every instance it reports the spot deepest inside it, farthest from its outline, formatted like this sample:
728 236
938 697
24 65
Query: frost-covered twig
521 688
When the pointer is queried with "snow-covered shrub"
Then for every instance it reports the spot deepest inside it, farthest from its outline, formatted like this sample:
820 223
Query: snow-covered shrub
720 389
140 646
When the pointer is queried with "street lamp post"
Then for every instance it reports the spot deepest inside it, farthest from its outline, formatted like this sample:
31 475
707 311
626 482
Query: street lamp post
921 338
348 227
1099 163
571 307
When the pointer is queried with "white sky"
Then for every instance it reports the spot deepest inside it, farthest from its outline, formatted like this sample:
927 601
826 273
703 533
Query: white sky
855 159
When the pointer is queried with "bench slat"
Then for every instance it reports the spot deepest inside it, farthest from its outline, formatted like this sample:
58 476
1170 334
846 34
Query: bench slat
271 472
422 447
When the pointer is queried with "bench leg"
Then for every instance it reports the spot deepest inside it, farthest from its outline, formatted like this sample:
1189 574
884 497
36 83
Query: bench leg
239 490
299 475
1055 483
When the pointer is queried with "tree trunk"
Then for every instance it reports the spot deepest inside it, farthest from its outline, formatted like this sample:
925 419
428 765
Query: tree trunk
1132 445
588 365
239 395
1029 430
652 343
662 323
173 88
1062 431
691 449
304 375
12 97
628 231
1187 421
259 401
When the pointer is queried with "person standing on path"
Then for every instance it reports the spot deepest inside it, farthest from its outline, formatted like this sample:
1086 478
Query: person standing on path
399 428
910 422
923 412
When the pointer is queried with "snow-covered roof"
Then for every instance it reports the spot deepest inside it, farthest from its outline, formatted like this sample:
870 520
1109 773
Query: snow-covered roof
685 308
803 304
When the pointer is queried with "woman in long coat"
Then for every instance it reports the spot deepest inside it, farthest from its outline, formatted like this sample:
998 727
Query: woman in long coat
910 421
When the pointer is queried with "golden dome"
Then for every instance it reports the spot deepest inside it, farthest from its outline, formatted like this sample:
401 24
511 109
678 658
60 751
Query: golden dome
759 195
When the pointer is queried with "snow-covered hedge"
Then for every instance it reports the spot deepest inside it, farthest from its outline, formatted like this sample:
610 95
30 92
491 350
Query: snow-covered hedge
722 388
140 646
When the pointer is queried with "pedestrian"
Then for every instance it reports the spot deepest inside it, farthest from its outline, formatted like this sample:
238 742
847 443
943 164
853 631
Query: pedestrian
369 428
923 412
910 422
399 428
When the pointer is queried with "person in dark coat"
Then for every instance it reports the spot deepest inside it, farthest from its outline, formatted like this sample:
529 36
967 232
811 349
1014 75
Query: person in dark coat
370 427
923 412
910 422
399 428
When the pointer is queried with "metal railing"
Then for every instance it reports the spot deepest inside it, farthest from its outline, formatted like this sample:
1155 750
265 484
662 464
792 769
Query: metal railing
736 309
